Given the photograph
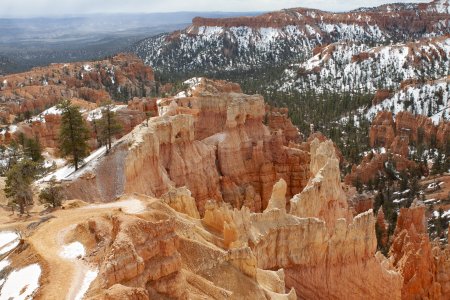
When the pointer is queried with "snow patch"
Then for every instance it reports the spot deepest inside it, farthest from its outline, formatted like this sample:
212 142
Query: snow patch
73 251
3 264
87 68
8 241
88 278
21 284
96 114
444 214
68 172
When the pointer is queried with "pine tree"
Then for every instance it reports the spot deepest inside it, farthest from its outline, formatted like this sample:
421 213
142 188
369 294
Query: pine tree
108 124
33 149
73 135
95 128
18 183
438 164
51 195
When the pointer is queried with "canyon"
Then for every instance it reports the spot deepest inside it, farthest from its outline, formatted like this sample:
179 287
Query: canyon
205 201
306 157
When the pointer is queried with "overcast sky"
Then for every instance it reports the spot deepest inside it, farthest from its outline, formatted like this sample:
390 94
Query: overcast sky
25 8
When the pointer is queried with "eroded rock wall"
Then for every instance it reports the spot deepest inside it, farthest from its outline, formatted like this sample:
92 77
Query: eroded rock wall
237 161
424 267
325 253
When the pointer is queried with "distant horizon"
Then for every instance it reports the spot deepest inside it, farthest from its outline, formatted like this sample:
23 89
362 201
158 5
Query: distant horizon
30 9
81 15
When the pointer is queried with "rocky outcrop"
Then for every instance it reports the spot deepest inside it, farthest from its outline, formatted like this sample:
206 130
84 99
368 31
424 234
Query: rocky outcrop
181 200
162 254
144 254
324 197
381 16
212 142
278 198
412 255
382 229
277 119
382 130
145 105
47 131
443 134
321 253
46 127
359 203
120 292
120 77
136 258
374 163
380 95
442 257
406 129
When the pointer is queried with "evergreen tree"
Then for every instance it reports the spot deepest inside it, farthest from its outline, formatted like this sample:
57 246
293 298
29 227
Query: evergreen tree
438 164
51 195
73 135
33 149
12 155
18 183
95 128
108 124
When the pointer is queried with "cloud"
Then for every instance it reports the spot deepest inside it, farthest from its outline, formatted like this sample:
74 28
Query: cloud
24 8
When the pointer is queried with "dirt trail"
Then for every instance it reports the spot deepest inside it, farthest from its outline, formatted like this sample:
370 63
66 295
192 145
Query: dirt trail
65 276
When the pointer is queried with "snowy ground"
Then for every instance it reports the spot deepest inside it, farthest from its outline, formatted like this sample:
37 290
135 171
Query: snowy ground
88 278
68 172
73 251
8 241
50 160
444 215
21 284
96 114
84 275
50 111
3 264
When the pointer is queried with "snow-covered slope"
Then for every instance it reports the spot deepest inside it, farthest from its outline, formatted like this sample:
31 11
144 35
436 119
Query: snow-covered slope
228 48
286 36
439 6
351 67
429 99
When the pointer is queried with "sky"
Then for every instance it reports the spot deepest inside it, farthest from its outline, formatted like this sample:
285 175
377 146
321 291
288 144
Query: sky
33 8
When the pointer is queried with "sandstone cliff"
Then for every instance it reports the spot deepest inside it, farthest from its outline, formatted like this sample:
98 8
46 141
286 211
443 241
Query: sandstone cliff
213 142
322 253
421 265
407 128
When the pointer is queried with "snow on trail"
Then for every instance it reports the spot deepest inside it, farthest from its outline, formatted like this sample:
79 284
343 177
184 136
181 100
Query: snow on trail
132 206
73 250
88 278
83 273
8 241
21 284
